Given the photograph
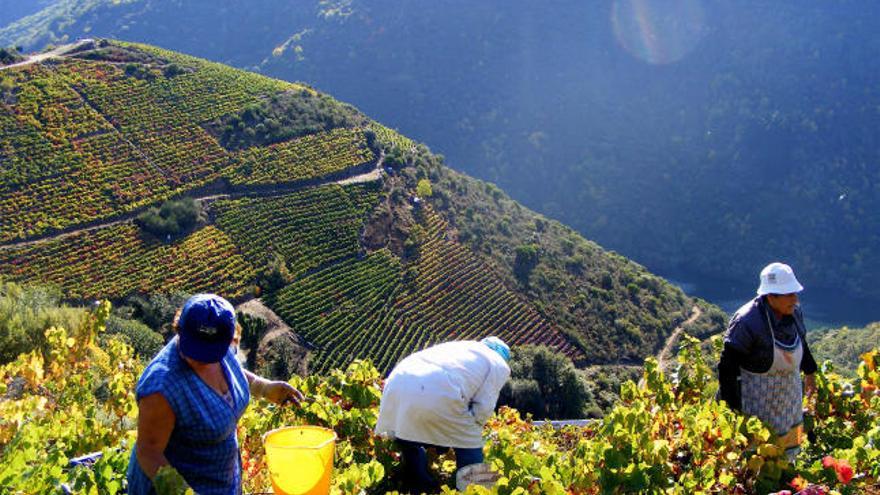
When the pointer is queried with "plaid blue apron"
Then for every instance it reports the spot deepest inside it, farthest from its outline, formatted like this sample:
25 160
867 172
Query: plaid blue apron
776 397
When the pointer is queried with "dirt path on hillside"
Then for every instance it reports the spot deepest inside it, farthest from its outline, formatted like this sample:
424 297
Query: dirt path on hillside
370 176
59 52
665 355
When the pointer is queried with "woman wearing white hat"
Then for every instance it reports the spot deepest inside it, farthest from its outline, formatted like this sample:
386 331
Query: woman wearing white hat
765 351
441 397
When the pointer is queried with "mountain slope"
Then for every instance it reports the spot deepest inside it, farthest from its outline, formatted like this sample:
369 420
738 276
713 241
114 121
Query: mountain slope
844 346
296 187
762 137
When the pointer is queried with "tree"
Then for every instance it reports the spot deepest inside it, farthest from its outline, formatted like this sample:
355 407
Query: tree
526 260
171 219
545 384
253 328
276 275
423 189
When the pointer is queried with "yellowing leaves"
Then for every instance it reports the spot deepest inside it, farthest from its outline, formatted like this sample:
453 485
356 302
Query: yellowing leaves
870 359
755 463
56 414
689 444
32 371
769 450
660 449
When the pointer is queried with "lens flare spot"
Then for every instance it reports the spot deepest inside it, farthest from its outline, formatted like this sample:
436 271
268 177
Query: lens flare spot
658 31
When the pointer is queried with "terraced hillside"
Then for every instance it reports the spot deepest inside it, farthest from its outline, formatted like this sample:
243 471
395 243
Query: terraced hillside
293 188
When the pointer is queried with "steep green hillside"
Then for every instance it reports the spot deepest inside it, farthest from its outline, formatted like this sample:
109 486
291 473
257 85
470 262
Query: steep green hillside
299 199
614 309
844 346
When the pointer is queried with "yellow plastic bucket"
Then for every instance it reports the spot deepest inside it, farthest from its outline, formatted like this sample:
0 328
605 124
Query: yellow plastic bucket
300 459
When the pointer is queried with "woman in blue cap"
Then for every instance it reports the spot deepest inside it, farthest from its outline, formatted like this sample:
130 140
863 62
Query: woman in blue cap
190 397
441 397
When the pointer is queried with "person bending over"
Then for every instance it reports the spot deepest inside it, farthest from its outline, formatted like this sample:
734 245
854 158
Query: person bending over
441 397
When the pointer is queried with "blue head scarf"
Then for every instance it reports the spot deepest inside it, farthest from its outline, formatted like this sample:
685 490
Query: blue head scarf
498 346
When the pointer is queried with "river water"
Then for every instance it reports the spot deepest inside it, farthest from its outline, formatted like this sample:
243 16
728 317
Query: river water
822 307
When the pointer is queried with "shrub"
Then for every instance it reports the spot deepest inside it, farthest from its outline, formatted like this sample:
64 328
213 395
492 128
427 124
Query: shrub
25 313
138 71
282 359
171 219
173 70
9 56
275 276
423 189
253 328
546 384
156 310
145 342
526 260
575 264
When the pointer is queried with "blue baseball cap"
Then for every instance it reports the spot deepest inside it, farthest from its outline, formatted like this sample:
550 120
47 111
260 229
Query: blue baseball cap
498 346
206 328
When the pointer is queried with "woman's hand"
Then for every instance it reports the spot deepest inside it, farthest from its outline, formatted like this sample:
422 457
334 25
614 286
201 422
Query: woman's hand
276 391
282 393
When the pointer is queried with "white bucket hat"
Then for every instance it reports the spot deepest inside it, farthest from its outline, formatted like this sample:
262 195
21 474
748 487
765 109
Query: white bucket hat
778 278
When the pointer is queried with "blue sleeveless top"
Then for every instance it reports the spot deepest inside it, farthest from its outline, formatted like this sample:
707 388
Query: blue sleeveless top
203 446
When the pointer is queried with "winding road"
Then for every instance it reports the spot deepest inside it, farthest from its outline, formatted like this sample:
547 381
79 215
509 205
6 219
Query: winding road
665 355
59 52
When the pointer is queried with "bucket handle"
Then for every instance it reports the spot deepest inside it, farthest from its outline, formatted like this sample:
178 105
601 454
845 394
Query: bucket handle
316 447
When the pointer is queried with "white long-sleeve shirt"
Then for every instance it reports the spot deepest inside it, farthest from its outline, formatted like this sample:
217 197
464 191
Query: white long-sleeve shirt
443 395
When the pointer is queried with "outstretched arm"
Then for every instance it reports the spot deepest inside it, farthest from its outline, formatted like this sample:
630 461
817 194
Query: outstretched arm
808 362
275 391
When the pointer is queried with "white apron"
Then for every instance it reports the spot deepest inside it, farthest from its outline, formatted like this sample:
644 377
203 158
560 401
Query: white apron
776 397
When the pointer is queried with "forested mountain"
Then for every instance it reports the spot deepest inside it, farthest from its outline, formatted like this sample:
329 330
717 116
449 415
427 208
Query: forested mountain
134 170
701 137
13 10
